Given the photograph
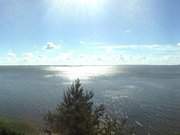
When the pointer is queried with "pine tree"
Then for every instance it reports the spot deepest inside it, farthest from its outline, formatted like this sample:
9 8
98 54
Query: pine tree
76 115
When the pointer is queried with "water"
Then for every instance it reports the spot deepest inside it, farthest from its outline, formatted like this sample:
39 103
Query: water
149 95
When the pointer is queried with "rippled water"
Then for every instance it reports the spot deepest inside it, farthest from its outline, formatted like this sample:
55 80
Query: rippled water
149 95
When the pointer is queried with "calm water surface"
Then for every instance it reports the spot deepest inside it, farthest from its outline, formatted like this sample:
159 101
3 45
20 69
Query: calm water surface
146 94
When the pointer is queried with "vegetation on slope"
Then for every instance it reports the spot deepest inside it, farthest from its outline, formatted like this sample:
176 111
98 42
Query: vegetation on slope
16 127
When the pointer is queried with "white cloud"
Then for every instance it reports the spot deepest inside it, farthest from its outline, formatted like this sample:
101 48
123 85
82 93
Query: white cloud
51 45
121 46
100 53
85 43
11 58
27 57
109 47
65 56
11 55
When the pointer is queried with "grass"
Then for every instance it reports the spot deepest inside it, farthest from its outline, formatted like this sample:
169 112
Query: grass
18 126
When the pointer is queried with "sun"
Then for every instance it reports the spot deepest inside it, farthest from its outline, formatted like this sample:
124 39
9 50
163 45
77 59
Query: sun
77 7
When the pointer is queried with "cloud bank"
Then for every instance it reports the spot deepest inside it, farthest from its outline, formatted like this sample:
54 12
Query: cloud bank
98 53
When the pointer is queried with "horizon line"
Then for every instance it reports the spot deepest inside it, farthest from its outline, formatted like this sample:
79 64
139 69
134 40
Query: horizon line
94 65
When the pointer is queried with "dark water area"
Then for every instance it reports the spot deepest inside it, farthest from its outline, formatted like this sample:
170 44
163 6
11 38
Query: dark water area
149 95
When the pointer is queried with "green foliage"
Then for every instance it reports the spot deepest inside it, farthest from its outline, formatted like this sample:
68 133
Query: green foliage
16 127
9 132
77 115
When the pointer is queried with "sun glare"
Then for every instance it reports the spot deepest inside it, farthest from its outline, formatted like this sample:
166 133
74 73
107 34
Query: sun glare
91 3
78 7
81 72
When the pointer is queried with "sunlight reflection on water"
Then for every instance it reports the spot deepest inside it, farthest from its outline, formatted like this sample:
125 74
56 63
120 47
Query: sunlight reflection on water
81 72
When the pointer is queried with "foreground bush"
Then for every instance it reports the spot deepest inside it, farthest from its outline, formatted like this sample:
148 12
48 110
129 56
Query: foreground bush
77 115
9 132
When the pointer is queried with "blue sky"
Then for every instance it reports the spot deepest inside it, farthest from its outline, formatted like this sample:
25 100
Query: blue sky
89 32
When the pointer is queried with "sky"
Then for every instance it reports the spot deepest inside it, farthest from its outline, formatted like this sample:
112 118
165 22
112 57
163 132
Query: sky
89 32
